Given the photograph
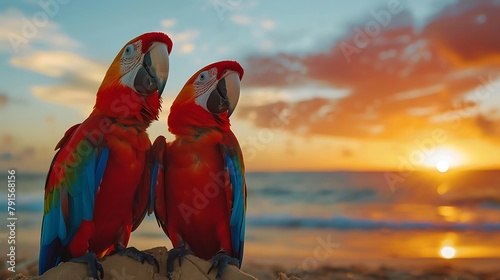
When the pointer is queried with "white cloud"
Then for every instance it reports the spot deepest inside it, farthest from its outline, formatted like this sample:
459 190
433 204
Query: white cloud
187 48
76 78
68 95
241 20
20 33
245 20
262 96
417 93
267 24
186 36
167 23
60 63
222 49
268 95
79 77
266 45
183 37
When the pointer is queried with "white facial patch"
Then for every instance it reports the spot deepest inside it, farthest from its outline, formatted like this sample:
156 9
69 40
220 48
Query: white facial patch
131 56
129 77
204 84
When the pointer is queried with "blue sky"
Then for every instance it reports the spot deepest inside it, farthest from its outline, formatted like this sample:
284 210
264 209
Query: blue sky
49 80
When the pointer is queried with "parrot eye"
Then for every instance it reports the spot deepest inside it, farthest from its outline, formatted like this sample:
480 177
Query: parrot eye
129 51
203 77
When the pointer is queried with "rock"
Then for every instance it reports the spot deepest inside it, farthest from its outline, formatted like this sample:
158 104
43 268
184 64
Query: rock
123 268
282 276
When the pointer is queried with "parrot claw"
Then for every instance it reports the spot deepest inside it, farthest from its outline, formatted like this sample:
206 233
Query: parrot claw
179 253
220 261
137 255
93 264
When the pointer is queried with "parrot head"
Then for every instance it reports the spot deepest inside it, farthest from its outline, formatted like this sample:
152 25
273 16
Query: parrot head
209 97
132 87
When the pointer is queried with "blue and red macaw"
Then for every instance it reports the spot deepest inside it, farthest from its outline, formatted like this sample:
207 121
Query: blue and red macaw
201 198
97 188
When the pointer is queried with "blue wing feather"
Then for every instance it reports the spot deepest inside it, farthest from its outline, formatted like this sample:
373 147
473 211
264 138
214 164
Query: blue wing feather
152 187
101 166
156 154
79 191
235 168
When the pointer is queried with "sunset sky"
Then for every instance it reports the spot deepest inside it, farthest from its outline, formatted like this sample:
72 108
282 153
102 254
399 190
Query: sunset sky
328 85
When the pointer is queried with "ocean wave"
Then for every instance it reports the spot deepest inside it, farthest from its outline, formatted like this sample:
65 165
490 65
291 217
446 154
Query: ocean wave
344 195
345 223
25 202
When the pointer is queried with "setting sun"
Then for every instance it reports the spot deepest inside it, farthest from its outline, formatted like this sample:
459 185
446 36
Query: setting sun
443 158
442 166
447 252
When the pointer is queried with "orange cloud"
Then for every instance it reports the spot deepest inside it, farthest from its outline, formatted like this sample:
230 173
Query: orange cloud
402 82
466 32
4 100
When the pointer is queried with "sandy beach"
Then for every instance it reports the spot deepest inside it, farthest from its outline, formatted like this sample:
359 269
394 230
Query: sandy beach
428 269
353 272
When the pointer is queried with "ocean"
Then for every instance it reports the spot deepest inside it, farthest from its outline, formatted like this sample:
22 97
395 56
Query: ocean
342 217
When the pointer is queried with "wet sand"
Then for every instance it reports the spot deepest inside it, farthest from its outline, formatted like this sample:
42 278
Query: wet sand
428 269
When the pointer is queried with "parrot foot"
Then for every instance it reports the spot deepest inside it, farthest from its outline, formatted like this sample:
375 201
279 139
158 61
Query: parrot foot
93 264
220 261
179 253
137 255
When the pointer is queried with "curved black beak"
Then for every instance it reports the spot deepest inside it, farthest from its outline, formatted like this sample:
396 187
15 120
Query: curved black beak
226 95
153 74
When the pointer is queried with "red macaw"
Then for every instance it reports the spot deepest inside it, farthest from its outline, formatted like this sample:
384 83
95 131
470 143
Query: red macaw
201 198
98 185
